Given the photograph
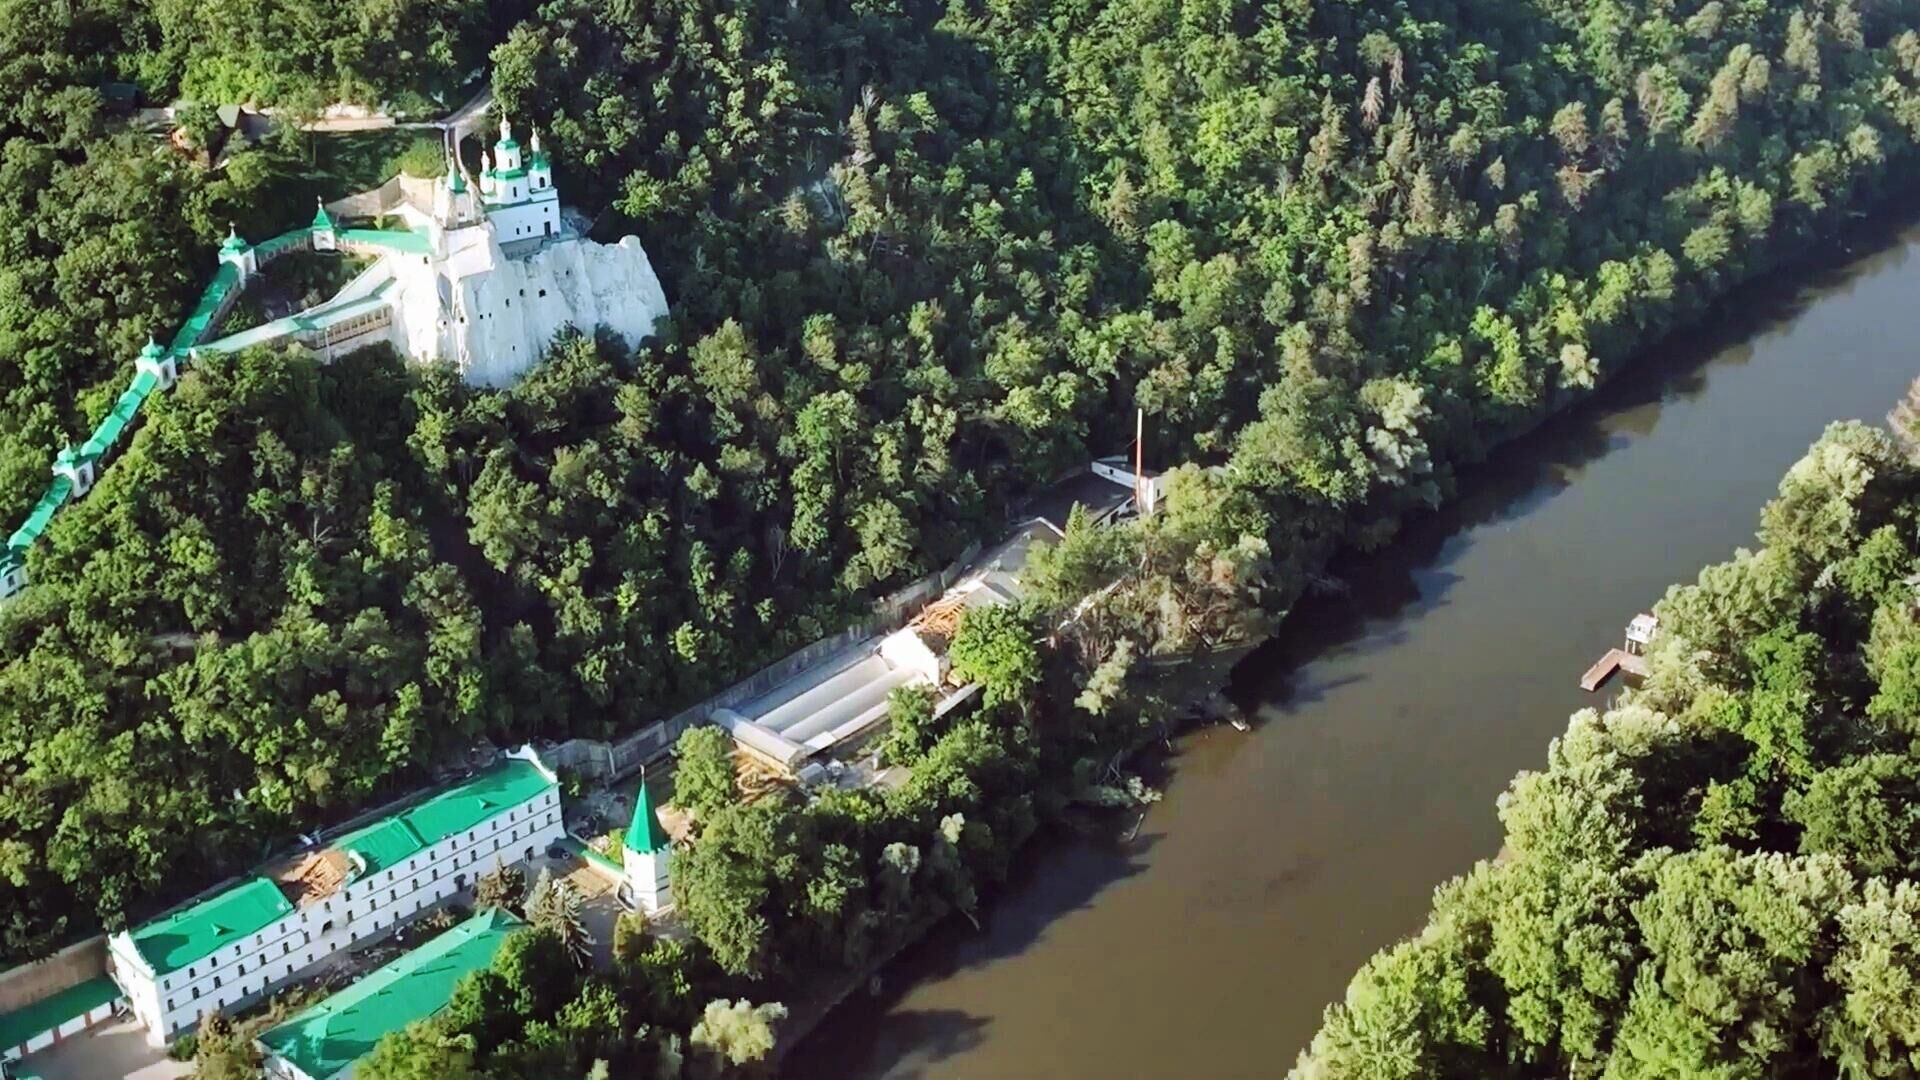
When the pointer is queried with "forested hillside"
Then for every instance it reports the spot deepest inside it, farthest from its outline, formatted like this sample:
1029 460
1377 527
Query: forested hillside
1715 877
921 258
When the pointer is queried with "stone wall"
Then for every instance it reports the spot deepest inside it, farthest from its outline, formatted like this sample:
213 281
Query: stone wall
41 979
602 762
373 202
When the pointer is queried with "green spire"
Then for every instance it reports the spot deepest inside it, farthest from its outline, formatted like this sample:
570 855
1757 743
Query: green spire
321 220
456 182
151 350
233 242
645 834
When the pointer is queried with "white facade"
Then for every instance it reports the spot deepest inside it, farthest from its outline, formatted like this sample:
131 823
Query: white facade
485 275
649 877
77 470
1152 488
364 907
66 1029
520 199
494 315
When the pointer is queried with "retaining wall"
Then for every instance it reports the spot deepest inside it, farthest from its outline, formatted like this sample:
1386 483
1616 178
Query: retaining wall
602 762
38 980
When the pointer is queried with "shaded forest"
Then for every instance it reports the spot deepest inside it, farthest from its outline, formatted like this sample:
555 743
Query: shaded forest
1715 876
921 257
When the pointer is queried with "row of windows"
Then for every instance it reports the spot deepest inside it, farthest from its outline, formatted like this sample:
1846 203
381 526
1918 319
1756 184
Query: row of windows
291 963
359 323
391 874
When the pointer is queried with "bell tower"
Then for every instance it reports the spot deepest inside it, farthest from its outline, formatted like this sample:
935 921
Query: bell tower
646 856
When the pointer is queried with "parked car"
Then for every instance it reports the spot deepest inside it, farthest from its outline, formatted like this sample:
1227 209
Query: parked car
559 852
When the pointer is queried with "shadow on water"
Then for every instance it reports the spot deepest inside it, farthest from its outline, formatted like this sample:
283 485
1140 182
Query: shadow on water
917 1040
1064 872
1390 590
1061 871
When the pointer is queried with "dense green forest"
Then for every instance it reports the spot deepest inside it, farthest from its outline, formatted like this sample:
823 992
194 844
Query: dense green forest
1715 877
922 257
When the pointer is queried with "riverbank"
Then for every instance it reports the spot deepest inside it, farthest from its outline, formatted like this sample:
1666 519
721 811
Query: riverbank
1394 715
1185 687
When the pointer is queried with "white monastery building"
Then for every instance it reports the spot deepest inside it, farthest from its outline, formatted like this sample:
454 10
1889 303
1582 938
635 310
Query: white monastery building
483 271
229 949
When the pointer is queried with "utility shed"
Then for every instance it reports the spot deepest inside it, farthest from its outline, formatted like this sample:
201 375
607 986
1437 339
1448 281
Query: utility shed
325 1041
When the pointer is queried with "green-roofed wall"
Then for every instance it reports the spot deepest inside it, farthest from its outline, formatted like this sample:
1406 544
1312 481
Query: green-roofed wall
50 1012
42 512
126 408
401 240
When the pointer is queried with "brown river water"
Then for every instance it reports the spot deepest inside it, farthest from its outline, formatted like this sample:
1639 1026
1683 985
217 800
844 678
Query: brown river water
1389 719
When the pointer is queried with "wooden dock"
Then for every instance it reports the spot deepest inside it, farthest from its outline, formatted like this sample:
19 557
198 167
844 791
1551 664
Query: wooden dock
1615 660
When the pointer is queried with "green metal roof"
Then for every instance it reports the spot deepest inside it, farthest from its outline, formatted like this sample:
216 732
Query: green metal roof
384 843
326 1040
644 834
232 243
457 809
125 408
200 320
591 856
48 1013
321 219
268 248
42 512
197 932
394 839
265 332
327 316
406 241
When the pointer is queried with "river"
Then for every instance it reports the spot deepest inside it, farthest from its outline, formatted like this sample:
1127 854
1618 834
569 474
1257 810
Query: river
1388 720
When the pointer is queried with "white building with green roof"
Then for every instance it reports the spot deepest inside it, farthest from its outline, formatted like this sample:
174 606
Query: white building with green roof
227 950
325 1041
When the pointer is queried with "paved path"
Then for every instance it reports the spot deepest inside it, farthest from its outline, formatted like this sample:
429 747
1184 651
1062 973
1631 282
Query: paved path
116 1048
462 120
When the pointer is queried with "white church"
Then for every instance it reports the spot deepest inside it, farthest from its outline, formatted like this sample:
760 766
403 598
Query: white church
484 271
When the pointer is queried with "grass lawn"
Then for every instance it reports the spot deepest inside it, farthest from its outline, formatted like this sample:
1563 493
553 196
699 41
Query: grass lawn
328 167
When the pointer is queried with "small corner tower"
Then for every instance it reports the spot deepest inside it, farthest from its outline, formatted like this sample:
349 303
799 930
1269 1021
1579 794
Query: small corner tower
646 856
238 254
157 362
13 572
77 468
324 236
453 200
